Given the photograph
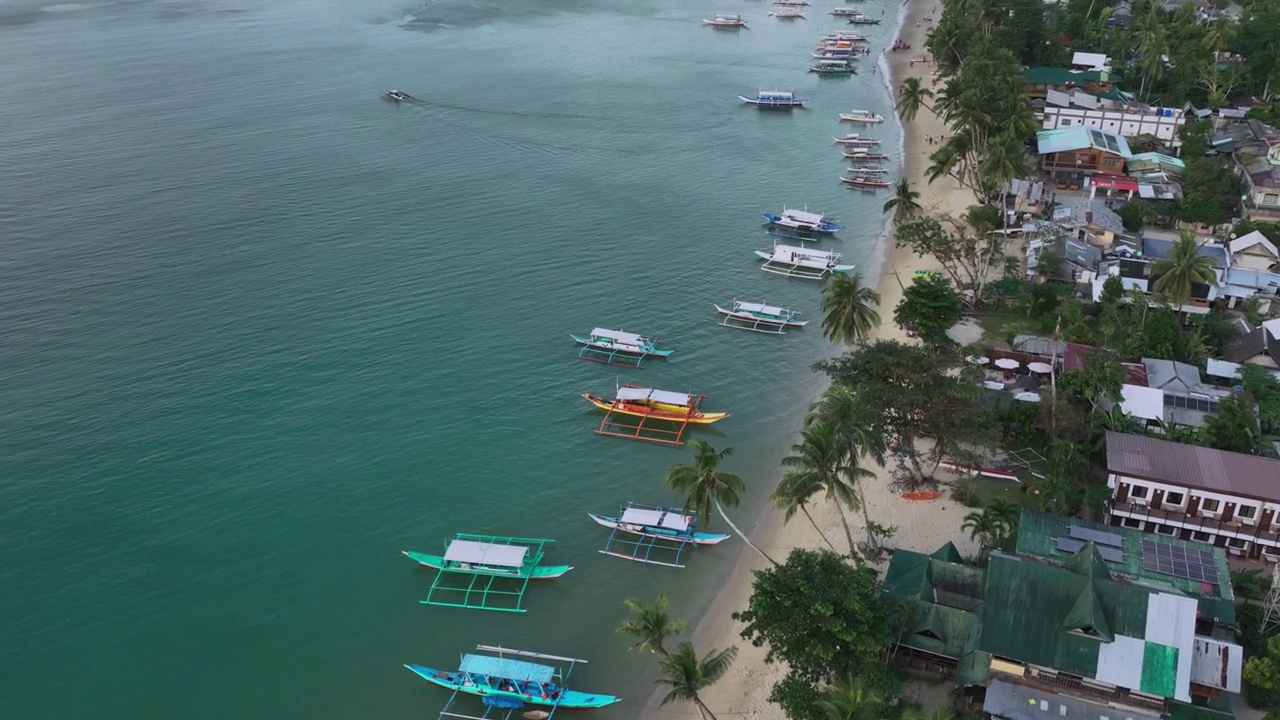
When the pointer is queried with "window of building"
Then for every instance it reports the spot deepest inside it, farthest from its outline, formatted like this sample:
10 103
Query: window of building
1138 491
1175 498
1237 542
1209 505
1270 199
1201 536
1246 511
1166 530
1066 122
1111 162
1134 523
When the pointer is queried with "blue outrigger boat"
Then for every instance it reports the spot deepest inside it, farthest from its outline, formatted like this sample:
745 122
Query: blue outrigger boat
774 100
618 347
801 224
654 525
509 684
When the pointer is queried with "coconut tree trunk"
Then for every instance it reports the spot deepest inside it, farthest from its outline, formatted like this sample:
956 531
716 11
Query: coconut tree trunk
742 535
821 534
853 547
872 542
703 710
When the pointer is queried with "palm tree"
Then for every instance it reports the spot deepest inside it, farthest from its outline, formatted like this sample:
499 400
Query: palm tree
649 625
843 411
850 699
820 460
912 97
1052 492
704 484
1184 266
905 201
1005 513
793 495
848 309
685 674
983 527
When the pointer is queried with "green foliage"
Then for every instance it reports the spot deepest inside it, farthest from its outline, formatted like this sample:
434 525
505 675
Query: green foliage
650 625
818 615
1134 214
1195 139
1112 291
1263 670
1210 190
929 307
1101 377
848 309
683 673
963 247
1261 385
1235 427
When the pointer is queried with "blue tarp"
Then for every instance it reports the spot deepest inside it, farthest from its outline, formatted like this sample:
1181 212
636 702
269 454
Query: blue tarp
509 669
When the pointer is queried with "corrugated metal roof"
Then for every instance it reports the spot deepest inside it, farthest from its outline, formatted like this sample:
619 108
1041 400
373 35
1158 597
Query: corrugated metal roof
1171 622
1217 664
1079 137
1194 467
1022 702
943 621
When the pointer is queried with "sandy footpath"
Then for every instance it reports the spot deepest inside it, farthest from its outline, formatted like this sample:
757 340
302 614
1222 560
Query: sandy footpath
920 526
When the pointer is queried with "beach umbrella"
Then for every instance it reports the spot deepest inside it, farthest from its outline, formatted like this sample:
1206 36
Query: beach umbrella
1027 397
1039 367
978 359
1007 363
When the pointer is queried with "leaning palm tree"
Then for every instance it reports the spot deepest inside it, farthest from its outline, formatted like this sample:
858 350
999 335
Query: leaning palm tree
1184 267
911 97
649 625
704 484
848 309
686 675
850 699
905 203
820 460
793 495
983 527
853 422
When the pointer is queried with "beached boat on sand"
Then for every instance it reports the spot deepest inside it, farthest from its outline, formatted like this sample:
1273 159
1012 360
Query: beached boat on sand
774 100
725 22
759 317
505 682
800 262
862 116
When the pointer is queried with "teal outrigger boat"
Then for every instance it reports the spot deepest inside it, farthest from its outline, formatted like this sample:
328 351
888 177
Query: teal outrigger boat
833 67
487 560
507 683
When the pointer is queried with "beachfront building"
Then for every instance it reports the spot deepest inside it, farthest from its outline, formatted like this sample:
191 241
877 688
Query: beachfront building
1082 621
1071 154
1226 499
1170 394
1114 113
1256 149
1040 80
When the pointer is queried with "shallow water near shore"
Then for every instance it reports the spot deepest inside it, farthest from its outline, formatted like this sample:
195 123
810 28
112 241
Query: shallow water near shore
260 331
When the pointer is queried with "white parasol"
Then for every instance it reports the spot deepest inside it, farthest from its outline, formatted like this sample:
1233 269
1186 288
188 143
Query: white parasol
1027 397
1039 367
1007 363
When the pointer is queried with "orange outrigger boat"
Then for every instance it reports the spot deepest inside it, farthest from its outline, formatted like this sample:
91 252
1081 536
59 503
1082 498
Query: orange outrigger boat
680 409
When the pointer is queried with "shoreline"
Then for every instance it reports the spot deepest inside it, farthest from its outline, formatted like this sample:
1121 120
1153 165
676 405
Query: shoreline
744 691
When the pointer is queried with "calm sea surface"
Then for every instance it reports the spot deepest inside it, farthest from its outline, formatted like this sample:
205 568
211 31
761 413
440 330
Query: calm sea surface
260 331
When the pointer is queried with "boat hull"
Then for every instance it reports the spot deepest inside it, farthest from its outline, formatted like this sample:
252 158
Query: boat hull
546 572
772 105
659 411
620 349
697 538
766 319
465 683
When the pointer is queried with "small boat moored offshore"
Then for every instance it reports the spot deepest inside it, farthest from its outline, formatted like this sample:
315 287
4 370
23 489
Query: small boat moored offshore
865 181
845 12
665 530
843 37
862 116
725 22
618 347
774 100
856 140
792 220
759 317
787 12
803 263
833 67
648 404
394 95
484 560
858 18
513 681
861 155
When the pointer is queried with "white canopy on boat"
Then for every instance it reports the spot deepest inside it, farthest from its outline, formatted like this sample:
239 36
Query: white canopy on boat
761 308
662 396
618 335
470 551
790 254
802 216
656 518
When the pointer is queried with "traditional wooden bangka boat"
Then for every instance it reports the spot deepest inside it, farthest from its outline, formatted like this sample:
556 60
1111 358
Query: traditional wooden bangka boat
868 170
787 12
662 530
843 37
800 262
862 116
484 560
845 12
759 317
648 404
856 140
826 68
618 347
774 100
865 181
861 155
803 221
861 19
835 54
725 22
514 681
790 3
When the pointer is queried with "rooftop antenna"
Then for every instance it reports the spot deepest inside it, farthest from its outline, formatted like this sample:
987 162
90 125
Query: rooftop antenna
1271 606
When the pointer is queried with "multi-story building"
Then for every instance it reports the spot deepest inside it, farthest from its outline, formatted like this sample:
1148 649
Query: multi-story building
1226 499
1081 151
1075 108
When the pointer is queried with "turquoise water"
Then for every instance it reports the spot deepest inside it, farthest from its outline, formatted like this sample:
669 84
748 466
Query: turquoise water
260 331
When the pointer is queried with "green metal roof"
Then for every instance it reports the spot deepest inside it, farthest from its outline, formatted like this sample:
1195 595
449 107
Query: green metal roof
974 669
1062 76
946 594
1038 534
948 553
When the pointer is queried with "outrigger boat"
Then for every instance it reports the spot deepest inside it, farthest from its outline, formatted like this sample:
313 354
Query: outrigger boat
618 347
861 19
506 683
833 67
774 100
394 95
665 530
680 409
865 181
801 221
862 116
803 263
843 37
845 12
859 155
790 3
759 317
787 12
868 170
725 22
856 140
486 559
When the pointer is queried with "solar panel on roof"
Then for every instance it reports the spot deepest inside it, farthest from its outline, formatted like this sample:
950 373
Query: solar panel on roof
1067 545
1179 561
1098 536
1111 554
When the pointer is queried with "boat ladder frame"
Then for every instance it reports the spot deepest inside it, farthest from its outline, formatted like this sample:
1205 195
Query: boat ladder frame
562 677
797 271
610 426
643 546
780 328
611 357
483 585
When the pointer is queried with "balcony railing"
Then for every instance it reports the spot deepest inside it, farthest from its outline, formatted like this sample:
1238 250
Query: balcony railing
1197 523
1051 679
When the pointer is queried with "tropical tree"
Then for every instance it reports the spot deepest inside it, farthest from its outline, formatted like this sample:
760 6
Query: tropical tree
853 422
793 495
848 309
685 674
905 201
911 97
704 484
821 460
929 307
1052 493
849 698
1184 267
1006 514
649 625
984 527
